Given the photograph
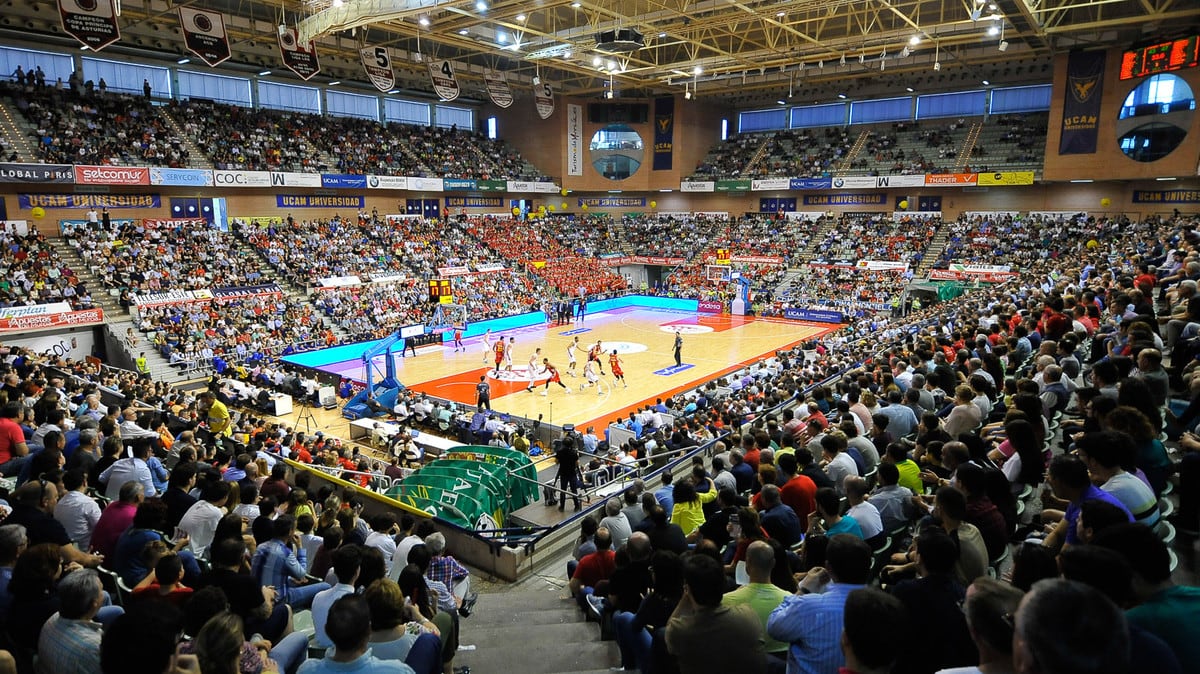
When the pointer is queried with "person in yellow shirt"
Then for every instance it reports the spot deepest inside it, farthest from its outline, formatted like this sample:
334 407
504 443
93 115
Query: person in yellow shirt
910 472
688 512
217 415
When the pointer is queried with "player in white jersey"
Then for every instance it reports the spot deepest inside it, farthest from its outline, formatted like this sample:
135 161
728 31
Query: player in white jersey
487 345
593 379
572 349
512 344
535 363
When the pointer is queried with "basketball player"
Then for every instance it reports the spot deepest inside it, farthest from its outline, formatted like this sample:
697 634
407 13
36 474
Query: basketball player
487 344
534 359
593 379
572 349
594 354
458 343
499 350
512 344
554 378
614 364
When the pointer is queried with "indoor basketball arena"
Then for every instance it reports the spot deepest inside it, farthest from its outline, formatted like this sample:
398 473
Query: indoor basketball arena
573 336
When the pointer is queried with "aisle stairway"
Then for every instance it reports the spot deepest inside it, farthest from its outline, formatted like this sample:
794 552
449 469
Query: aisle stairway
528 628
16 133
100 297
848 161
968 146
196 156
759 155
933 251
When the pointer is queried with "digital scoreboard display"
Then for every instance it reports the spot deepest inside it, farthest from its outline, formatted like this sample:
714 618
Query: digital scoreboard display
441 291
1161 58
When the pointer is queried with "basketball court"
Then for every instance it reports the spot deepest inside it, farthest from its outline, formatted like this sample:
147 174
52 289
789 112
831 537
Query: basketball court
713 345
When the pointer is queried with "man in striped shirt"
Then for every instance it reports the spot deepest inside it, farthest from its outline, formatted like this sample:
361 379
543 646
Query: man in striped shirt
811 621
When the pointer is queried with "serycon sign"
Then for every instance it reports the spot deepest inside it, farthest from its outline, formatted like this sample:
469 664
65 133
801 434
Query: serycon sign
1081 104
574 139
498 90
377 61
92 22
543 100
204 34
181 177
445 83
299 58
37 173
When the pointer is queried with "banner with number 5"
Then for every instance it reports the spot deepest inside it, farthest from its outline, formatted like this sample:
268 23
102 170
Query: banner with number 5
445 84
378 64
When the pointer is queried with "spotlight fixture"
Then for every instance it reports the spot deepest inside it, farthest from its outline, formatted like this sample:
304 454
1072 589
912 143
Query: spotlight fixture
937 66
536 80
481 5
904 52
908 89
576 5
993 31
520 17
184 60
986 83
338 3
608 94
697 70
914 40
597 61
842 96
1003 46
264 73
424 21
463 31
843 61
781 102
334 83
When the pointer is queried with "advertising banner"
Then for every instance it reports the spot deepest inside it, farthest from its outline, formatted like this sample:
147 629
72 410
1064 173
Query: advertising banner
1166 196
530 186
28 201
339 281
970 273
487 185
37 173
489 267
170 297
575 139
387 182
458 184
242 178
474 202
378 64
445 83
240 292
854 182
621 260
112 175
319 201
770 184
497 88
453 271
177 177
1081 103
389 278
736 185
298 58
613 202
869 199
664 133
34 310
343 181
883 182
204 34
951 179
881 265
543 100
42 321
92 22
810 183
813 315
698 186
425 184
282 179
706 307
1010 178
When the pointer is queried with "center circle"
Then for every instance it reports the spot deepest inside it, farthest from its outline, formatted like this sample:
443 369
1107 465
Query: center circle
686 329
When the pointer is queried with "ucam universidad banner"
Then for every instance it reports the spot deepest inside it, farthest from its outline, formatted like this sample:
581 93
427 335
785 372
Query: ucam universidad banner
28 201
319 201
1081 103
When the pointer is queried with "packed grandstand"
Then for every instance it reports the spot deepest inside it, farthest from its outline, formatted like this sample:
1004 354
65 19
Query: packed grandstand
996 463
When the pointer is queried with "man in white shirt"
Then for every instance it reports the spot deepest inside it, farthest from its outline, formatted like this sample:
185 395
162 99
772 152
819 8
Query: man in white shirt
346 562
200 521
129 469
838 464
400 557
863 512
383 528
76 511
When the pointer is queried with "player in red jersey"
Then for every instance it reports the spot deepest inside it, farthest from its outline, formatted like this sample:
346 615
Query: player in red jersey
458 343
594 353
499 350
614 364
554 378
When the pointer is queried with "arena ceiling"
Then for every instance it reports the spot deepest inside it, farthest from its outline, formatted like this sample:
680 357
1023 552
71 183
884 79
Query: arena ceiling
737 52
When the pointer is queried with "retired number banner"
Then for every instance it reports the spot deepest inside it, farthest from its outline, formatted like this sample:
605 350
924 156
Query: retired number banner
204 34
445 84
498 91
378 64
543 100
92 22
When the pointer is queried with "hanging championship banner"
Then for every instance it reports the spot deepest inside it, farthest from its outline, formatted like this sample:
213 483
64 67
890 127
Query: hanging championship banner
377 61
497 86
300 59
1081 104
204 34
445 84
92 22
543 100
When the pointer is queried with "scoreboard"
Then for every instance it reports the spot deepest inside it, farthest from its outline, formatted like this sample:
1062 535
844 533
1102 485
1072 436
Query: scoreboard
1164 57
440 290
